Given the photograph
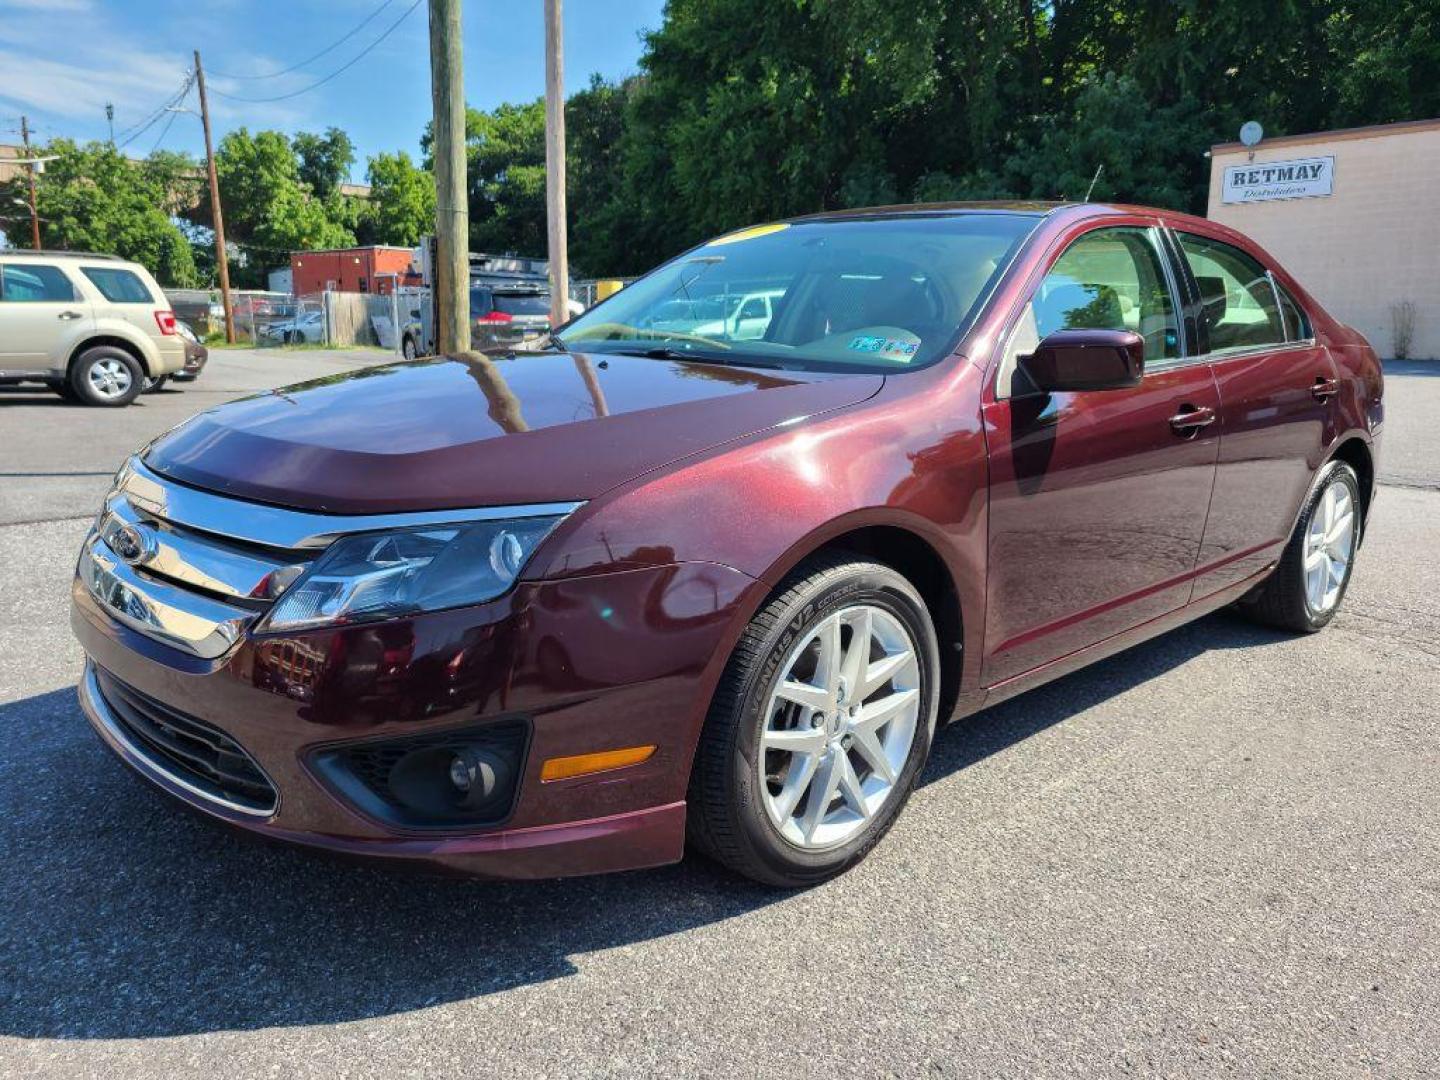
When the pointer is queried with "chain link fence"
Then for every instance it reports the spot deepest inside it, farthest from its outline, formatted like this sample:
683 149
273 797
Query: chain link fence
337 319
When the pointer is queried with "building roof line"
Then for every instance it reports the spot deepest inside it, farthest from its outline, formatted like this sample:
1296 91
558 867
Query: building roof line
1369 131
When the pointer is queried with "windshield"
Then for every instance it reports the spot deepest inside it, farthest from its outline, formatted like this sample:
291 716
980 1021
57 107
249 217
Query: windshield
883 293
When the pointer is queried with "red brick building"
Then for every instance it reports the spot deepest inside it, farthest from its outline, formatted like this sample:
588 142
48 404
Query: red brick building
359 269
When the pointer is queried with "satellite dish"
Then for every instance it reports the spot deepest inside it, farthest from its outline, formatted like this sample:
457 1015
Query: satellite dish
1251 133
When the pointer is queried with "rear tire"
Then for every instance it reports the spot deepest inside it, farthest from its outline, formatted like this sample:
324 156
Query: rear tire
407 348
106 376
793 783
1305 589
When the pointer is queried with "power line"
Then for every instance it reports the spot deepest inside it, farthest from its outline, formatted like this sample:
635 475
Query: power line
163 131
133 132
310 60
338 71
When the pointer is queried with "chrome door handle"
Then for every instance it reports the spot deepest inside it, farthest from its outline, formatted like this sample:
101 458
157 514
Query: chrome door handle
1324 388
70 315
1189 420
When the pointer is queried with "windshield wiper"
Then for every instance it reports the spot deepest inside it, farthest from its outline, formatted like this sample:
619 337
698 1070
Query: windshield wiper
728 359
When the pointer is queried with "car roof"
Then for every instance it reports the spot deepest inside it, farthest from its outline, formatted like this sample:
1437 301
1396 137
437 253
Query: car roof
1030 208
51 253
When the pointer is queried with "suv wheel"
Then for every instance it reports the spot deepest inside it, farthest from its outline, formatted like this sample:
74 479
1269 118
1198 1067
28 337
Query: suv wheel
820 726
106 376
1305 589
154 383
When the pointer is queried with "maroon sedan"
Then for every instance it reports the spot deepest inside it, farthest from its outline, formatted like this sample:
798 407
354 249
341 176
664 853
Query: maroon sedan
716 562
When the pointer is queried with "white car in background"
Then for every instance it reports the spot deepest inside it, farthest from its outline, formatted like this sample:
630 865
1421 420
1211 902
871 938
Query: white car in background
306 327
746 317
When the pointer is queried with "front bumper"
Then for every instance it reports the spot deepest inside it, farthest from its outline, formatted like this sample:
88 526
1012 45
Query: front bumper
589 663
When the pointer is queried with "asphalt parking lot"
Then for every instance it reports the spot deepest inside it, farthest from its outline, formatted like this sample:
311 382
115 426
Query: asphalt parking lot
1217 853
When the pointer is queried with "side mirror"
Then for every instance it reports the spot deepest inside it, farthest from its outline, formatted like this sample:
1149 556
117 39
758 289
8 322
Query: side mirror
1069 360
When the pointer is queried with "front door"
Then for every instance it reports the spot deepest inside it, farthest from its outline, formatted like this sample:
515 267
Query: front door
1277 390
40 313
1097 499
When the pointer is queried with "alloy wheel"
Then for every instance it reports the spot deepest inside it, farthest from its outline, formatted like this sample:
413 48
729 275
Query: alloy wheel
1329 546
839 726
109 378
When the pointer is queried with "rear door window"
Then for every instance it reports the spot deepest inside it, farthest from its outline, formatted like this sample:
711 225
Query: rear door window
1297 325
1240 303
31 283
118 286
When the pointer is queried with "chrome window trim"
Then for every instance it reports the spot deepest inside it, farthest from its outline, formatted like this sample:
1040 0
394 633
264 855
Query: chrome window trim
293 530
99 710
1255 350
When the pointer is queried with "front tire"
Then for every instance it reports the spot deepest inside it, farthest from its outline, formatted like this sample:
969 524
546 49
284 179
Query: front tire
1305 589
820 725
106 376
407 348
154 383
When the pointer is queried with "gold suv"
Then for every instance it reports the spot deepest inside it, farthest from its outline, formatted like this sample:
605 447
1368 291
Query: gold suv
94 327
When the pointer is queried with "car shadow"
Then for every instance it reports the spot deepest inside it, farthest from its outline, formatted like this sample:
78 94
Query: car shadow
127 918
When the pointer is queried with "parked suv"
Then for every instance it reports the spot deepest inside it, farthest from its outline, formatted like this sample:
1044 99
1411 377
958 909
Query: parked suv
551 613
95 327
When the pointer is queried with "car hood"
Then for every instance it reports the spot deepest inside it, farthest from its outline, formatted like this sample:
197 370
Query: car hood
476 430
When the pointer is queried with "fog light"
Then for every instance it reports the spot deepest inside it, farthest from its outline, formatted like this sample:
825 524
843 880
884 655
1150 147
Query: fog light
450 781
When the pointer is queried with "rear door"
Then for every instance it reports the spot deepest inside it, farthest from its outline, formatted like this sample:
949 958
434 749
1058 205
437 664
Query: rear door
42 316
1277 388
1097 499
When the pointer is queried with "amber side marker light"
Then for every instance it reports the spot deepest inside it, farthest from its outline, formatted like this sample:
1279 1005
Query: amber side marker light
563 768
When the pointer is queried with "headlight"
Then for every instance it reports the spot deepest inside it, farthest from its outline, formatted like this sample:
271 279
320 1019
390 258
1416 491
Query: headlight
387 574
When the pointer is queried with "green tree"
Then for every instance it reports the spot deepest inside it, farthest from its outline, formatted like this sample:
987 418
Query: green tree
92 199
401 208
323 161
269 210
594 132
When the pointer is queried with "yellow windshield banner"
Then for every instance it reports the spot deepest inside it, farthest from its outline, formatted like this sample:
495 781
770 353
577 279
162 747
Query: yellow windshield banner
749 234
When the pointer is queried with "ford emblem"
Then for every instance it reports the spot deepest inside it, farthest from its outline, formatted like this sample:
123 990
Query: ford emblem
132 544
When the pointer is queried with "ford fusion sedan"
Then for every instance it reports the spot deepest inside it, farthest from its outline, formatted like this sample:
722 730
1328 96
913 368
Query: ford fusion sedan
527 615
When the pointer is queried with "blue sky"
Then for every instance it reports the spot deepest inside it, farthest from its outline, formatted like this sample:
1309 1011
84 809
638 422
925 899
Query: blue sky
62 60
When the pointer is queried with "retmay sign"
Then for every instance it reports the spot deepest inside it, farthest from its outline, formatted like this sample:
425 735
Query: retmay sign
1305 178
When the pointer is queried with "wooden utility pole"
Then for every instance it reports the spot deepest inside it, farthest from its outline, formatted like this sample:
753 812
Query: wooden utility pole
218 218
555 163
452 208
34 215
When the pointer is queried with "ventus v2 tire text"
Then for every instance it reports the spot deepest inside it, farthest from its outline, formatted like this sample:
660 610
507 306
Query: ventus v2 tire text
106 376
820 725
1305 589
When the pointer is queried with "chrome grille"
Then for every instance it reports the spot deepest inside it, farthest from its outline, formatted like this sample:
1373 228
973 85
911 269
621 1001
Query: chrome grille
196 570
